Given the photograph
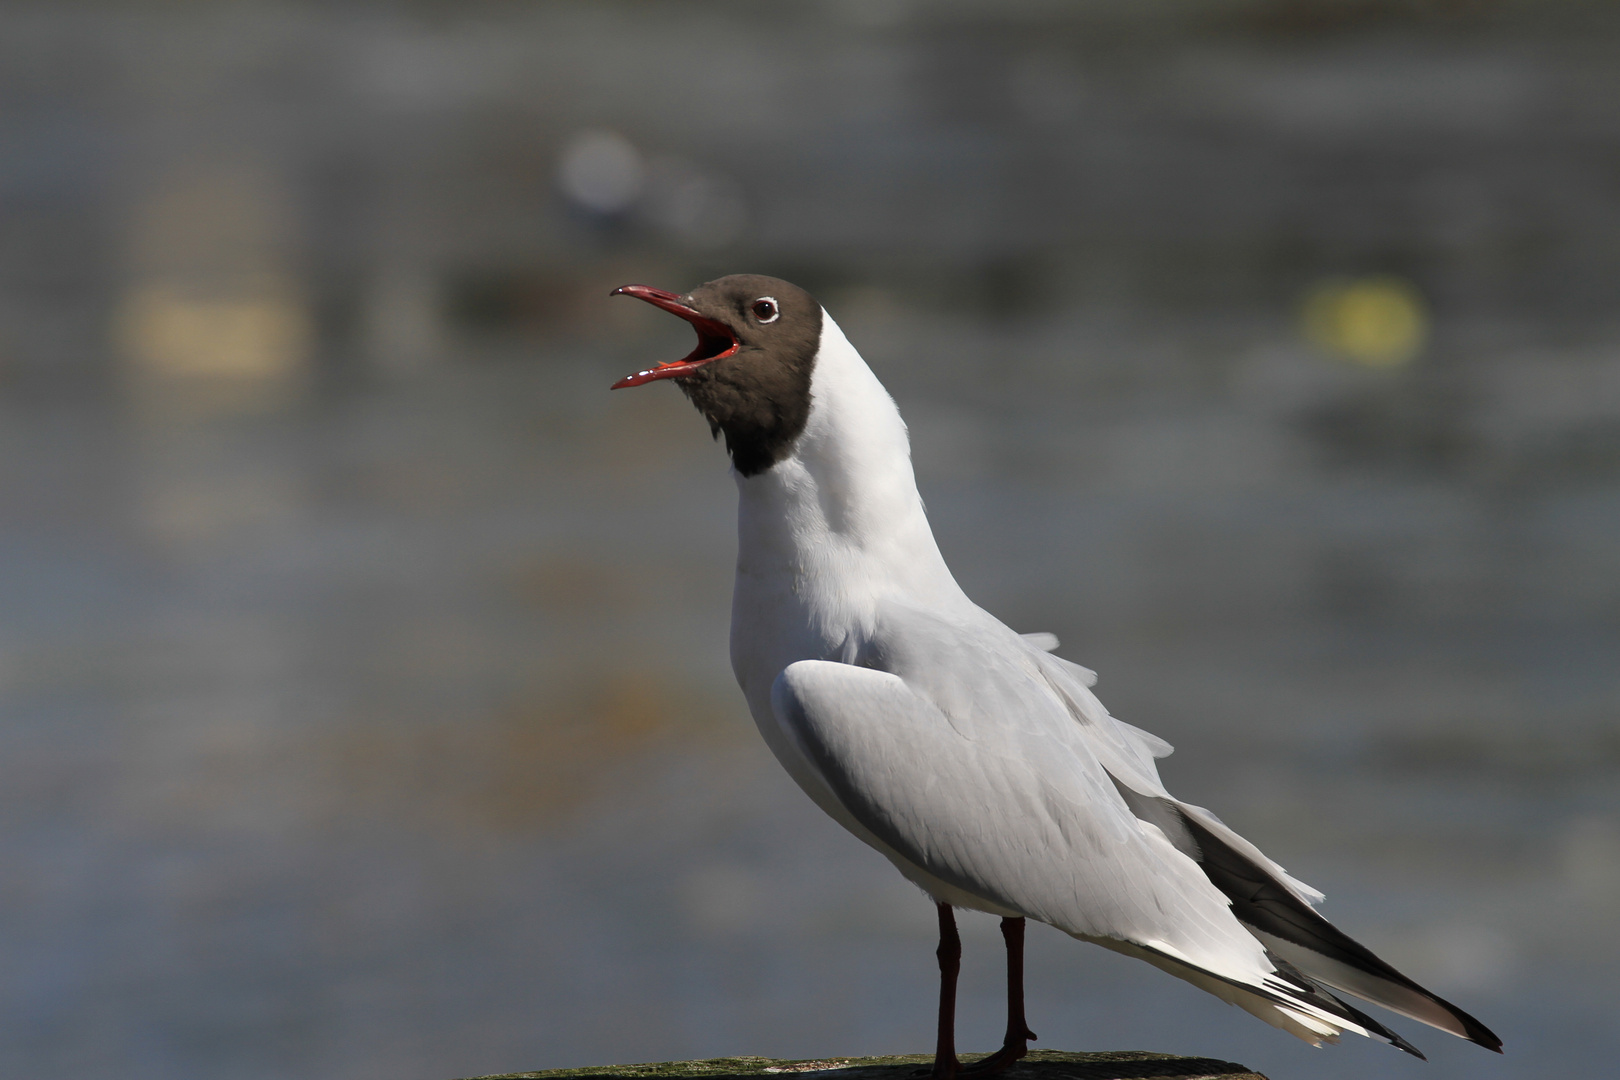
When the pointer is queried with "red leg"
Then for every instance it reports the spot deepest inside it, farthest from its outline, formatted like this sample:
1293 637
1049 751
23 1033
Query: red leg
1018 1033
950 962
1016 1042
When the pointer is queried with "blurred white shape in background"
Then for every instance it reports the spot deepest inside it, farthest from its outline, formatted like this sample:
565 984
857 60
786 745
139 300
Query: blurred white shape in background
601 171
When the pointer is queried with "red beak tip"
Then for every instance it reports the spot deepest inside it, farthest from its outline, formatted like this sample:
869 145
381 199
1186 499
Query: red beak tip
709 332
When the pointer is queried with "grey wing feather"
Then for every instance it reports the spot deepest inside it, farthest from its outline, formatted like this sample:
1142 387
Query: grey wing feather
1127 752
1022 816
1027 819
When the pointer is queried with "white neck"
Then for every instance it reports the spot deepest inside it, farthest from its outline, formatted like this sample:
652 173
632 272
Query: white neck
837 525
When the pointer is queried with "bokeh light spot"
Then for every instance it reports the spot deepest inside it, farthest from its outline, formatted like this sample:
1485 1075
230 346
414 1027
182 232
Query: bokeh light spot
171 331
601 171
1377 321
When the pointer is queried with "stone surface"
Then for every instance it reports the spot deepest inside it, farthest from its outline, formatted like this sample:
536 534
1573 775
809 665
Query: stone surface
1039 1065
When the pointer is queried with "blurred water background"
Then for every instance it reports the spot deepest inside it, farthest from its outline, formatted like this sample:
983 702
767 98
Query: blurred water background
363 660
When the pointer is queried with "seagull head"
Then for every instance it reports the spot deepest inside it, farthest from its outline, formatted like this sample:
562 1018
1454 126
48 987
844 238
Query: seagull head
749 375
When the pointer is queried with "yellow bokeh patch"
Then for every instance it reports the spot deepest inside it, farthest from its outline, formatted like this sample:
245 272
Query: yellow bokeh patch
1377 321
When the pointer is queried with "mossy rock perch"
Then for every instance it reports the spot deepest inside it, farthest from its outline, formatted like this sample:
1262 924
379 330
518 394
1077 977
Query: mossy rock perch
1039 1065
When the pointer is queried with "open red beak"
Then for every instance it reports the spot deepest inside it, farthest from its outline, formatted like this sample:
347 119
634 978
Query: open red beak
715 339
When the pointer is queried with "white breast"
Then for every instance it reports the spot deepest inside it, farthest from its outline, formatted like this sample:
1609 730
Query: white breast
822 538
830 530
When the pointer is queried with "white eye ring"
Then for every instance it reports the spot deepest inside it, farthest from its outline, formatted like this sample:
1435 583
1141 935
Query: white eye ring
775 309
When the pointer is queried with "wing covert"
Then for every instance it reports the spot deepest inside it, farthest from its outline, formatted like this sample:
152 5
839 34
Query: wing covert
1029 821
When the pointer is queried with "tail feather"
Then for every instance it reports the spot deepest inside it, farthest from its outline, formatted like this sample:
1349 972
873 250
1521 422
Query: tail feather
1308 989
1294 932
1285 999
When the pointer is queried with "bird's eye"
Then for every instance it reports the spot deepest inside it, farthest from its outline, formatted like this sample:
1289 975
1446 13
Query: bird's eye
765 309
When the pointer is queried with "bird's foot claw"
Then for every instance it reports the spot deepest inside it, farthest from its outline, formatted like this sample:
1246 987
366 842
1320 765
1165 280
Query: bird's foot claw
995 1064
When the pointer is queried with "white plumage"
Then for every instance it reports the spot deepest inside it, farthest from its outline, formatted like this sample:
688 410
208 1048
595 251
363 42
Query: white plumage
983 767
976 761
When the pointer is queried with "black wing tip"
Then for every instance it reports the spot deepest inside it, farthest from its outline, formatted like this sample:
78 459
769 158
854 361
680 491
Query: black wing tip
1262 904
1480 1035
1319 995
1401 1044
1377 1030
1472 1030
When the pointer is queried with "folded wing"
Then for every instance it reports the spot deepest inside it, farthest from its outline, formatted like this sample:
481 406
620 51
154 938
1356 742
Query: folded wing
1022 813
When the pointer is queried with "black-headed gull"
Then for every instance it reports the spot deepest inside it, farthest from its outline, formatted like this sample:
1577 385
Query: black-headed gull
974 759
